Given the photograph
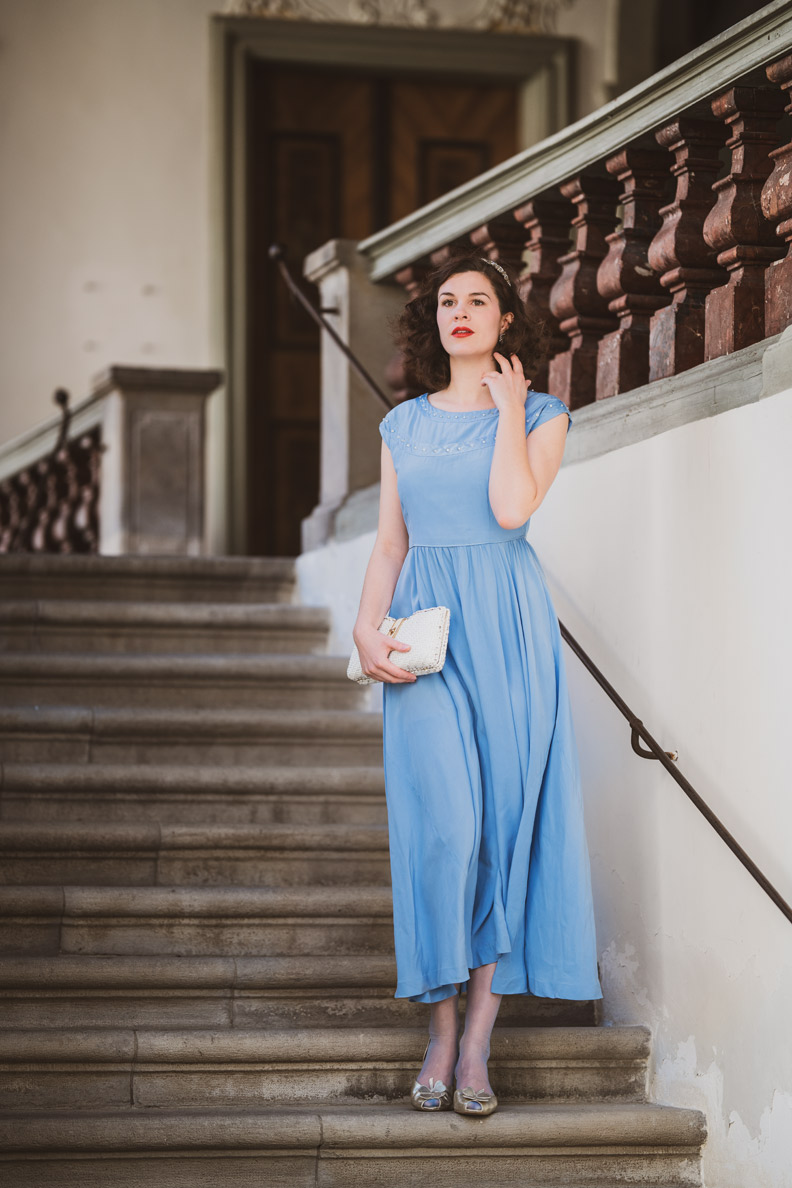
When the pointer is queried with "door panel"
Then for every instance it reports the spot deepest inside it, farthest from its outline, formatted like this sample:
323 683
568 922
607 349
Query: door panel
309 181
446 132
334 154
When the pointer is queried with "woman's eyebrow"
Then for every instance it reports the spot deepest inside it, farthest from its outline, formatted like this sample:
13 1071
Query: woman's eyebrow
446 294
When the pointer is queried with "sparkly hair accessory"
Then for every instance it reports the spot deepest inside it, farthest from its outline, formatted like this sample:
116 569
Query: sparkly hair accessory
500 269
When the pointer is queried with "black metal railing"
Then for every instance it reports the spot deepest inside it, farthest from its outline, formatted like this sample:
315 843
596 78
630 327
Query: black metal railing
278 254
637 729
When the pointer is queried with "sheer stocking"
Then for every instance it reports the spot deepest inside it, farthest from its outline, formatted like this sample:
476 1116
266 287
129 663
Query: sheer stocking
443 1032
474 1045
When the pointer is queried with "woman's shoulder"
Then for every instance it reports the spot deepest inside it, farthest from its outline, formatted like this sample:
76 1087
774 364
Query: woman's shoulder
541 407
398 417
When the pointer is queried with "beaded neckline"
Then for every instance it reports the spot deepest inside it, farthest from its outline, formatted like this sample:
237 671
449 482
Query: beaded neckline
425 406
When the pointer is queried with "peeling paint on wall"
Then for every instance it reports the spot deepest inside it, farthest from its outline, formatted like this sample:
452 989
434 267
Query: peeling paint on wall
622 988
733 1157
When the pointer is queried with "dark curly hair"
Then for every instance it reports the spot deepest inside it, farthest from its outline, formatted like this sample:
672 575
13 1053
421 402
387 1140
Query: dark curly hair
417 335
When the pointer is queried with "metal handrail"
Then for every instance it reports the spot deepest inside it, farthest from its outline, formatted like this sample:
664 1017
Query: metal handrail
278 254
637 728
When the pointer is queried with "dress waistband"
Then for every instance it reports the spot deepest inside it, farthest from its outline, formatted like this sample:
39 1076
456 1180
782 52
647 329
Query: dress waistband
516 534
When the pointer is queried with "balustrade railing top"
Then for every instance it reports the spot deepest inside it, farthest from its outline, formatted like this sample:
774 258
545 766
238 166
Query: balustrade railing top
655 228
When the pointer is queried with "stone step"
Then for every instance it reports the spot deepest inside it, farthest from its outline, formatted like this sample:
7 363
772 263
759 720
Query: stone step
585 1145
68 625
162 1069
74 734
241 992
146 855
197 921
203 682
199 795
148 579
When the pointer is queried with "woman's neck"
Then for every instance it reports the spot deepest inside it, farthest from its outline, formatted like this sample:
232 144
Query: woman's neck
465 388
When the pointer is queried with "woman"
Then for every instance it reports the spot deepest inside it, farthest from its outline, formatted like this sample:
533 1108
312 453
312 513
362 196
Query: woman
489 862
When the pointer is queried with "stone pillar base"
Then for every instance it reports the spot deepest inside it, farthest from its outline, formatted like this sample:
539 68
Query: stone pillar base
153 483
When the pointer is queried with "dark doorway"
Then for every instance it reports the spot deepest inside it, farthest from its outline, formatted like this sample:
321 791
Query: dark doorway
335 154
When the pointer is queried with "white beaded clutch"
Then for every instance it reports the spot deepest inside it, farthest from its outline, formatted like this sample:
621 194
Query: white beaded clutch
426 631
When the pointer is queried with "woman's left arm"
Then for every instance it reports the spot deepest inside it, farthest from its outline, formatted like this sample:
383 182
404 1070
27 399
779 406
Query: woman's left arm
522 469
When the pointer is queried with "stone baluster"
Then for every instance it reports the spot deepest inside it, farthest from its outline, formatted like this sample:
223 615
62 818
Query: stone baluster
632 290
501 240
735 227
777 207
545 222
403 385
574 299
679 252
457 247
504 240
410 278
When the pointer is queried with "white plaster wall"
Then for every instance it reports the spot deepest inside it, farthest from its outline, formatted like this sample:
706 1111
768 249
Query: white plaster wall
670 562
104 186
104 239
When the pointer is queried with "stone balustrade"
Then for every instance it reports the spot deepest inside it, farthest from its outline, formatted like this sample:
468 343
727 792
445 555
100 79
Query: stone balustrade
127 476
652 236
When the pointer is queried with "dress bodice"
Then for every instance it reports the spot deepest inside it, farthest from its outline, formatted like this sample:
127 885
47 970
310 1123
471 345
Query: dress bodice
442 461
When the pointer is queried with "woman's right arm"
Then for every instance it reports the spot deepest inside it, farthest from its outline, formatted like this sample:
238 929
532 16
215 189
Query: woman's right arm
382 573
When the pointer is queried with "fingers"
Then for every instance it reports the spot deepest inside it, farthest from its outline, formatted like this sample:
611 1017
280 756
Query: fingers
386 670
400 677
513 361
392 674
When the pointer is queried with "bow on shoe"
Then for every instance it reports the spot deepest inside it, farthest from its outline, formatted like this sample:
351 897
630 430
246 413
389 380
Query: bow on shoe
469 1094
434 1091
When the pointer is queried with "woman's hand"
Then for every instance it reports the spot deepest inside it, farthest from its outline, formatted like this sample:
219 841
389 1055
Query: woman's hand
373 647
508 387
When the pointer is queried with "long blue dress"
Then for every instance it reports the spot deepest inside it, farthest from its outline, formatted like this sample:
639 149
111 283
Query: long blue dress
488 852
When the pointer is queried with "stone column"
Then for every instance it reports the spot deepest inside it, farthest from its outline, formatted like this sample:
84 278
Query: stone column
350 445
777 208
735 227
625 278
582 314
679 253
545 220
153 467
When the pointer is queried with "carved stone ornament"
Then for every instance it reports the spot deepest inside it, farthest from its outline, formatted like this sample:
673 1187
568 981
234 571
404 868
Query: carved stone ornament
503 16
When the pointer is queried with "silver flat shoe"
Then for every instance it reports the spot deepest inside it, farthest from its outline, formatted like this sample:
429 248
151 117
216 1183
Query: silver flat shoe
434 1096
475 1105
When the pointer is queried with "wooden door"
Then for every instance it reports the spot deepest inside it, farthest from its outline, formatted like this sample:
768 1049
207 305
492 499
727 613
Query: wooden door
334 154
444 133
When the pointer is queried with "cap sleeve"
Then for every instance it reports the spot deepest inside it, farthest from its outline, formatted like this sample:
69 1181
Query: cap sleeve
386 427
544 410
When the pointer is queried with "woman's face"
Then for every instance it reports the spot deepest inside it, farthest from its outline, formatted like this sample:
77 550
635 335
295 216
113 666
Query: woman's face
468 315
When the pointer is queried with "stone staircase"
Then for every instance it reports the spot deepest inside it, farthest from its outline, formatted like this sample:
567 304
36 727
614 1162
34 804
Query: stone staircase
197 974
